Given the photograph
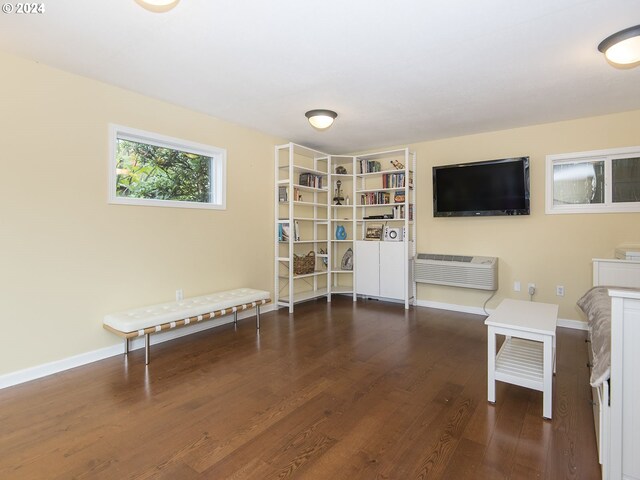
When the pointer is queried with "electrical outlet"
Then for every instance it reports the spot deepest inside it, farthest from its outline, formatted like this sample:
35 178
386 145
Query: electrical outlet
179 295
559 290
531 288
516 286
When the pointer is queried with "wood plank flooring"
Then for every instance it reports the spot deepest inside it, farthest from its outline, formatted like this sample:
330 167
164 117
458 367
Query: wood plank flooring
335 391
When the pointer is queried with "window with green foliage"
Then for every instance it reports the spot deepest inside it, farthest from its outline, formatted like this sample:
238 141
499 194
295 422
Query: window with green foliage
150 169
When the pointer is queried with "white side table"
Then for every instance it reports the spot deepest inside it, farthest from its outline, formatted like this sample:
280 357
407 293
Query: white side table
527 356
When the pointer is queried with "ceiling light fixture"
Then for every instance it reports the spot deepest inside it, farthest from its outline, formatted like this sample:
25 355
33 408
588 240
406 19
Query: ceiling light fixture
622 48
158 6
321 119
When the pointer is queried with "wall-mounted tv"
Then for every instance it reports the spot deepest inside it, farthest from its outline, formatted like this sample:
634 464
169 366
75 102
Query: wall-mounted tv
495 187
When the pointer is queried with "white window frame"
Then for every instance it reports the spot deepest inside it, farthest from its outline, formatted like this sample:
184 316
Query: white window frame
595 155
218 168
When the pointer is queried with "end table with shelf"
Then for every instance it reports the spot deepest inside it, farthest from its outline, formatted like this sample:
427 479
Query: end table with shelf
527 356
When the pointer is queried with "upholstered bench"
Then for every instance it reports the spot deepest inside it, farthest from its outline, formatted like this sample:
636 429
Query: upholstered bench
144 321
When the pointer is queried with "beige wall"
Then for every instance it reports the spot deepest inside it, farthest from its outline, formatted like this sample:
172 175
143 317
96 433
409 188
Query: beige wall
547 250
67 257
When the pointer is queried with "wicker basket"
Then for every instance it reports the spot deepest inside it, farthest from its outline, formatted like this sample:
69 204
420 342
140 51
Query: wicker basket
304 264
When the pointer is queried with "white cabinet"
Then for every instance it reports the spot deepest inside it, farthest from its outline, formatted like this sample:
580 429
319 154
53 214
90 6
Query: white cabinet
393 270
367 265
383 269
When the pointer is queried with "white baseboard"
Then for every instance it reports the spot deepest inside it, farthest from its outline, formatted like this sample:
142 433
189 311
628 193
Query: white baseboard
452 307
562 322
39 371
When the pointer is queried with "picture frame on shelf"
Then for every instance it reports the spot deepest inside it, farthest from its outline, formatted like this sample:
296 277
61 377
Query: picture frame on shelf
284 232
347 260
374 231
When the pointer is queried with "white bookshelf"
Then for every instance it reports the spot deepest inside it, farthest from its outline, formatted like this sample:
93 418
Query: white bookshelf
341 281
304 209
375 173
316 211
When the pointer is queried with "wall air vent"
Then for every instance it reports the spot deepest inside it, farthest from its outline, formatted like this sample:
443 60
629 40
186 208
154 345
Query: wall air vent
457 271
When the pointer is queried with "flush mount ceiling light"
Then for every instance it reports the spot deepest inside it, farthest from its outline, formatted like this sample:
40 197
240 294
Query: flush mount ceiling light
321 119
157 6
622 48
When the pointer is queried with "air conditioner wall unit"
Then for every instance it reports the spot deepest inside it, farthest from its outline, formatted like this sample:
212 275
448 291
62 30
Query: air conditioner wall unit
457 271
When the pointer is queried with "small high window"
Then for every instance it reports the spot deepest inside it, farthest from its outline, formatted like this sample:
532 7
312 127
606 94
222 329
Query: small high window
603 181
154 170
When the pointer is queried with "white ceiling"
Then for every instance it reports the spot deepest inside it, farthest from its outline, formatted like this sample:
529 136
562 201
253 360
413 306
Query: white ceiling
396 72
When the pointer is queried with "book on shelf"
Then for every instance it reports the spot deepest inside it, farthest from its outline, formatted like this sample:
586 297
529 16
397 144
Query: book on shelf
369 166
375 198
310 180
393 180
283 194
399 197
284 231
399 212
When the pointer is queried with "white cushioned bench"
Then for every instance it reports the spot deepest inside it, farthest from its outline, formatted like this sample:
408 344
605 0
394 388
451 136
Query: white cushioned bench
144 321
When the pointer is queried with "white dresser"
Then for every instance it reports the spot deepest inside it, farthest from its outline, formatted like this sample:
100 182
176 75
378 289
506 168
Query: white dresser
624 443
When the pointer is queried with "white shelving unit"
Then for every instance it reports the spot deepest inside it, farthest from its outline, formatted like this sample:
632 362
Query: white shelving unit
383 189
318 212
304 209
342 281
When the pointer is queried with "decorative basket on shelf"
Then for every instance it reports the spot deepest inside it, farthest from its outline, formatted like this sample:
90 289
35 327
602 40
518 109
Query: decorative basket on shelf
304 264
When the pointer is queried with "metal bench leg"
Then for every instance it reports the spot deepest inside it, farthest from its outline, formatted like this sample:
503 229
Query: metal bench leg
257 317
235 318
146 349
126 346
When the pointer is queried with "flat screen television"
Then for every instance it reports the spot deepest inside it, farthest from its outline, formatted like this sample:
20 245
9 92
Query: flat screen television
495 187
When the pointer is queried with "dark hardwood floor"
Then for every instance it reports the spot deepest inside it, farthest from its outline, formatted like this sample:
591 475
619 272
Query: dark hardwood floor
336 391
